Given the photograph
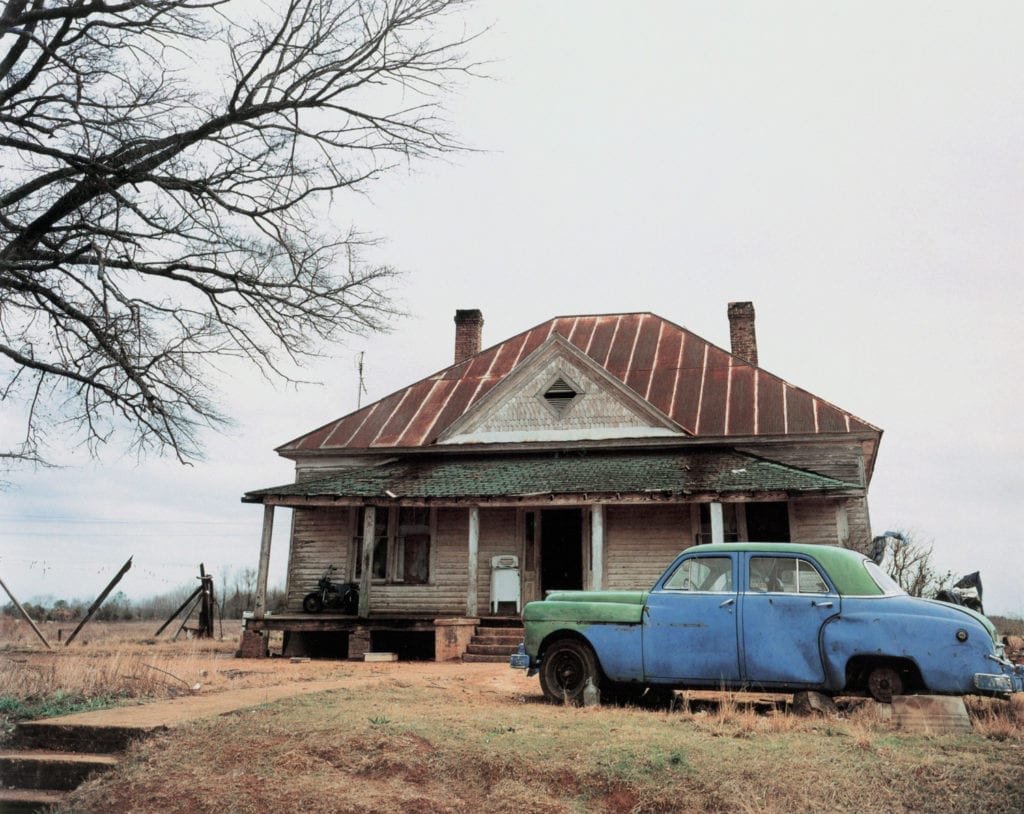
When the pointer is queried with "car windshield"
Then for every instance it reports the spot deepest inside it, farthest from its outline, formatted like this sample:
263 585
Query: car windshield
889 586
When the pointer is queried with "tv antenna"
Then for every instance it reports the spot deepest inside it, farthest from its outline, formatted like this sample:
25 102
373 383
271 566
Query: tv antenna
361 389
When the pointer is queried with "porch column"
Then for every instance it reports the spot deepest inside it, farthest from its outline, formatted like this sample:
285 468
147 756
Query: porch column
474 559
369 540
259 611
717 523
596 547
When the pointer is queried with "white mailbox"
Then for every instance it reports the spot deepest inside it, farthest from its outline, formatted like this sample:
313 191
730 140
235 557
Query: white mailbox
505 581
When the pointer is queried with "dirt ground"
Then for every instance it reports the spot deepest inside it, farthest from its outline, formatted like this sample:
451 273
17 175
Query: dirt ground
270 680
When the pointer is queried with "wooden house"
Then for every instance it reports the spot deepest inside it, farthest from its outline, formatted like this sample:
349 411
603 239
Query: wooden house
583 453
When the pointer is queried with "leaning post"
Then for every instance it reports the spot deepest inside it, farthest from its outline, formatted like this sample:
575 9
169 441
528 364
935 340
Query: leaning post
260 610
24 613
99 600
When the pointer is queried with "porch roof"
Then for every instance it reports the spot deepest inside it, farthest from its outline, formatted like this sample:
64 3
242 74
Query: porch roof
565 474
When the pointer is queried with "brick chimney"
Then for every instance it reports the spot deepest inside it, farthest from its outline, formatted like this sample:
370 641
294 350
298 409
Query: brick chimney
741 331
469 324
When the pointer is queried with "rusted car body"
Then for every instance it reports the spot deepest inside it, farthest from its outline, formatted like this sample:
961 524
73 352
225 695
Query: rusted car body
773 616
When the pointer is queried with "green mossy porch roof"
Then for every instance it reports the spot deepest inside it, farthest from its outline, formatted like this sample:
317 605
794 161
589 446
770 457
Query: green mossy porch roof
563 474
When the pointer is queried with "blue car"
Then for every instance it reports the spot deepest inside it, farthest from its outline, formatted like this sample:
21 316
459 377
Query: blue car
772 616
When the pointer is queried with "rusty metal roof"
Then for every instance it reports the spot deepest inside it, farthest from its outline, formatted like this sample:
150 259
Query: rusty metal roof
706 390
497 477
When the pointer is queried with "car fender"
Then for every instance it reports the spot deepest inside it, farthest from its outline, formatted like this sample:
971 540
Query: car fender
903 628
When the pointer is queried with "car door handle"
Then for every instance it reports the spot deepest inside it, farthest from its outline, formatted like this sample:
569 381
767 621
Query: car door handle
730 601
821 604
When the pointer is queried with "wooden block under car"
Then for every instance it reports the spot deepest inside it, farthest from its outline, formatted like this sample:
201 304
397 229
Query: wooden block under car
380 657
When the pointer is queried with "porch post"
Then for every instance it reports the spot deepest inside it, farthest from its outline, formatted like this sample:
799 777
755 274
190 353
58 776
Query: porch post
717 523
260 609
474 560
369 540
596 547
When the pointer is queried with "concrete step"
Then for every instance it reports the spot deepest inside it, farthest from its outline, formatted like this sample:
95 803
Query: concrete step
492 638
40 769
472 658
491 650
29 801
64 738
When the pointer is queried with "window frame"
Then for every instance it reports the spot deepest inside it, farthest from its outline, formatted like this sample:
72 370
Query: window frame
393 542
801 563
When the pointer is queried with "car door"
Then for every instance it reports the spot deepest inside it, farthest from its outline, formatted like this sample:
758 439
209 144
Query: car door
689 623
786 601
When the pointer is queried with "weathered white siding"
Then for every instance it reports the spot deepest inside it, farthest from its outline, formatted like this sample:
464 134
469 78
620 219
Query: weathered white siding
320 537
821 522
641 541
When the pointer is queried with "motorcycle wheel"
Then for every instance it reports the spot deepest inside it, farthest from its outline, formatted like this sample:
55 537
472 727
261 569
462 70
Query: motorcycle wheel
312 603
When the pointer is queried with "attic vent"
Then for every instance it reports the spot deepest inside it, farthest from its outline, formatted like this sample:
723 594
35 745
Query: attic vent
560 395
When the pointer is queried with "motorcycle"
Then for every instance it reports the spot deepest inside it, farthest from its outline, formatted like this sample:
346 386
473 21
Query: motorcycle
342 596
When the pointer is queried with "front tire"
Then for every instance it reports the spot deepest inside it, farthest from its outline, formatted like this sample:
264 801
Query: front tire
566 668
313 603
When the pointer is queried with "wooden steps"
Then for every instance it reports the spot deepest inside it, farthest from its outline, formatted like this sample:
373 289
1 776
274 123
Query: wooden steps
494 642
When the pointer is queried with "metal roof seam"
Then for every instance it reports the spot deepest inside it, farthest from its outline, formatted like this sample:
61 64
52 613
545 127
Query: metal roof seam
675 381
700 395
611 344
657 347
728 395
757 403
785 408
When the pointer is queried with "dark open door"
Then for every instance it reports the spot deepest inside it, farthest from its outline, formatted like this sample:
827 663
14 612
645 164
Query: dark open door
561 550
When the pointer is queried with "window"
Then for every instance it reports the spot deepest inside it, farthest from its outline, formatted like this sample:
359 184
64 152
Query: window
785 575
401 546
702 574
729 524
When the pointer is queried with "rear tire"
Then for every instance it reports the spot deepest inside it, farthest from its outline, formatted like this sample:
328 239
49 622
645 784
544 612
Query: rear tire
566 668
884 683
312 603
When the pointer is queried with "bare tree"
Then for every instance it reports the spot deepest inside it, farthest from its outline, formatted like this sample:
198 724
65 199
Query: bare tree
167 165
912 565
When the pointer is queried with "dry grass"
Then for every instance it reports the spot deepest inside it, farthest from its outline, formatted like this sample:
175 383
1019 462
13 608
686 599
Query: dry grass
409 741
117 662
451 738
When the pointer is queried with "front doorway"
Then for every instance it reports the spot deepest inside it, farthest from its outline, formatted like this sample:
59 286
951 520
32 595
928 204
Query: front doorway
561 550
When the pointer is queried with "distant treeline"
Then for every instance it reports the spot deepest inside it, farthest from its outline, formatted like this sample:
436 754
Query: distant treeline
233 594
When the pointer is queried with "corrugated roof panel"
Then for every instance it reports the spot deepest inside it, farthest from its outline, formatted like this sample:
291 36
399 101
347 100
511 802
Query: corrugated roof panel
641 366
799 412
666 362
621 351
376 420
741 401
457 403
771 419
689 383
659 360
534 339
716 383
829 418
405 413
416 432
580 333
601 341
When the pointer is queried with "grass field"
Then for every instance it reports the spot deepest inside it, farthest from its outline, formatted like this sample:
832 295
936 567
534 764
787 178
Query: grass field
423 737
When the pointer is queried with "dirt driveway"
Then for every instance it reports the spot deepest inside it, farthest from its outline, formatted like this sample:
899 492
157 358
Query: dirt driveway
275 679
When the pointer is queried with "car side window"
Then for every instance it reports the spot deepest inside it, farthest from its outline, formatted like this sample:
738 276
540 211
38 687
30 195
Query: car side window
712 574
785 575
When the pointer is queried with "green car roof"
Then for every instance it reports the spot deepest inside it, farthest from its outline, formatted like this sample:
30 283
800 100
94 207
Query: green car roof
844 567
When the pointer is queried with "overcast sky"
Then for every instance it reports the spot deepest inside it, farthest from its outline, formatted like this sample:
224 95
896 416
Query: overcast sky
854 169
